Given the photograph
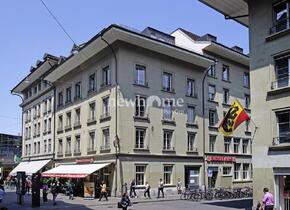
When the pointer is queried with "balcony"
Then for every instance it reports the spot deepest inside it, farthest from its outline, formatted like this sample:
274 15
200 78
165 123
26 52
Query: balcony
105 117
105 148
91 150
282 82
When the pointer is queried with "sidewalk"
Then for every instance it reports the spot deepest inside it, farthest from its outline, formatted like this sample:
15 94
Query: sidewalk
64 203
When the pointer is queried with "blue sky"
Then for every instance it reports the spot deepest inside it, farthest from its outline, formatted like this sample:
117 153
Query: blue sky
27 32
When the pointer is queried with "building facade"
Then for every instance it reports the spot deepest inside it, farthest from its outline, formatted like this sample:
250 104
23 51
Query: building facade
136 106
268 22
10 150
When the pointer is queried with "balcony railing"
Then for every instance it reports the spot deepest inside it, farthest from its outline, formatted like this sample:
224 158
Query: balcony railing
282 82
281 25
282 139
105 147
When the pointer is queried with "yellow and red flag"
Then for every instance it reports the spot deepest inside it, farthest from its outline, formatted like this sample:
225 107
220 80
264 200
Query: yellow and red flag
233 118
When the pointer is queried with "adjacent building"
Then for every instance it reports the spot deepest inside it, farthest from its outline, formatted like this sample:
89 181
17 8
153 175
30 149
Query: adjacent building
268 23
10 151
128 104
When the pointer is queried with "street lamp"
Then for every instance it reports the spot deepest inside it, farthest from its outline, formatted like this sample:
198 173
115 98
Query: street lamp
203 122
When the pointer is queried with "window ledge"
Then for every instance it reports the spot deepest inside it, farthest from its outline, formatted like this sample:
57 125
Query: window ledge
248 109
77 126
141 149
191 125
104 119
168 91
213 101
243 181
228 81
280 147
168 122
191 96
140 85
226 105
279 90
213 128
248 133
141 119
169 150
211 76
91 122
189 152
277 35
227 175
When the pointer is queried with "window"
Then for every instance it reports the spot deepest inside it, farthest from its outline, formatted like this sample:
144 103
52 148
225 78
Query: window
247 101
68 145
60 122
49 125
236 145
39 86
106 138
190 88
106 76
282 66
190 142
167 174
227 144
68 119
281 16
38 147
44 146
92 83
45 126
245 146
60 146
78 144
237 169
212 117
140 138
246 173
78 116
211 71
106 107
191 114
68 95
38 129
227 170
167 81
140 75
92 115
283 121
49 145
140 106
212 140
92 141
167 110
226 73
247 124
34 147
60 99
246 79
140 174
49 105
167 140
226 96
211 92
78 90
35 90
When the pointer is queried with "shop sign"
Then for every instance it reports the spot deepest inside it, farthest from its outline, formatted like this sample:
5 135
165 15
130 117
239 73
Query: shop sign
221 159
85 160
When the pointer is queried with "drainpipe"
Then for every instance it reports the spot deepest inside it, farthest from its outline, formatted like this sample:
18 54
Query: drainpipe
117 140
203 123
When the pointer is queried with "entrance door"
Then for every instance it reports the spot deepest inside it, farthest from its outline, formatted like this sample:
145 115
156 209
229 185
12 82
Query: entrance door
212 179
191 177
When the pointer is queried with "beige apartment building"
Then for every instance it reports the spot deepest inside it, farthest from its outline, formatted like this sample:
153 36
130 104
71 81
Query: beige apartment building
37 117
268 22
133 109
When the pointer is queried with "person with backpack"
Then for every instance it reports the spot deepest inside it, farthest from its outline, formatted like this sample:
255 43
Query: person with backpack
160 188
147 190
133 188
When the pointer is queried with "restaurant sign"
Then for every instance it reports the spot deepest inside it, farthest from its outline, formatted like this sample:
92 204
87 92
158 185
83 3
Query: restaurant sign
221 159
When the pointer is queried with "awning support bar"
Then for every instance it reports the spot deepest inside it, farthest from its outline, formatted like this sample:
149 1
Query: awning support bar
227 17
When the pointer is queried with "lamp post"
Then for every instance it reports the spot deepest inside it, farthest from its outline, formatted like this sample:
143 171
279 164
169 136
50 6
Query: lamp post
203 122
117 140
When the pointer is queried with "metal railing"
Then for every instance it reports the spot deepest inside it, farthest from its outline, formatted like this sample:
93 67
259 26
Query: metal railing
281 25
105 147
281 82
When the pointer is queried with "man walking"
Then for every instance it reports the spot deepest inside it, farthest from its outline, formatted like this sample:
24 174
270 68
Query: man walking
147 190
268 200
132 188
160 188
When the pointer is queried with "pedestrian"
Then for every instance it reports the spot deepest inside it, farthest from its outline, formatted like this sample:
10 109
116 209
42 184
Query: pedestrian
125 188
268 200
133 188
160 188
28 185
70 190
125 202
44 192
179 186
147 190
2 183
54 191
2 193
103 191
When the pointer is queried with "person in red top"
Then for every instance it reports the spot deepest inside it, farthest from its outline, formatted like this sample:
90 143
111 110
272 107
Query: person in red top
268 200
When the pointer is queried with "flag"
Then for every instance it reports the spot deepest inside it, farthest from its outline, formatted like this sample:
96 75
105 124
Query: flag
233 118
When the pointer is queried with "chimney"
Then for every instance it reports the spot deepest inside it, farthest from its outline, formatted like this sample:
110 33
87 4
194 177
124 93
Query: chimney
238 49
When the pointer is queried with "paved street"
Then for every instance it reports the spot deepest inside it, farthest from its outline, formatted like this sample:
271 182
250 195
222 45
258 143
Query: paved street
170 203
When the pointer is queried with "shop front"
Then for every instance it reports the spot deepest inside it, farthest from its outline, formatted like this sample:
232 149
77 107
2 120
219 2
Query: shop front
282 185
87 177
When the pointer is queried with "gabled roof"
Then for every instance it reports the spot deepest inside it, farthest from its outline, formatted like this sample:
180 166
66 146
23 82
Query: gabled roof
231 8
